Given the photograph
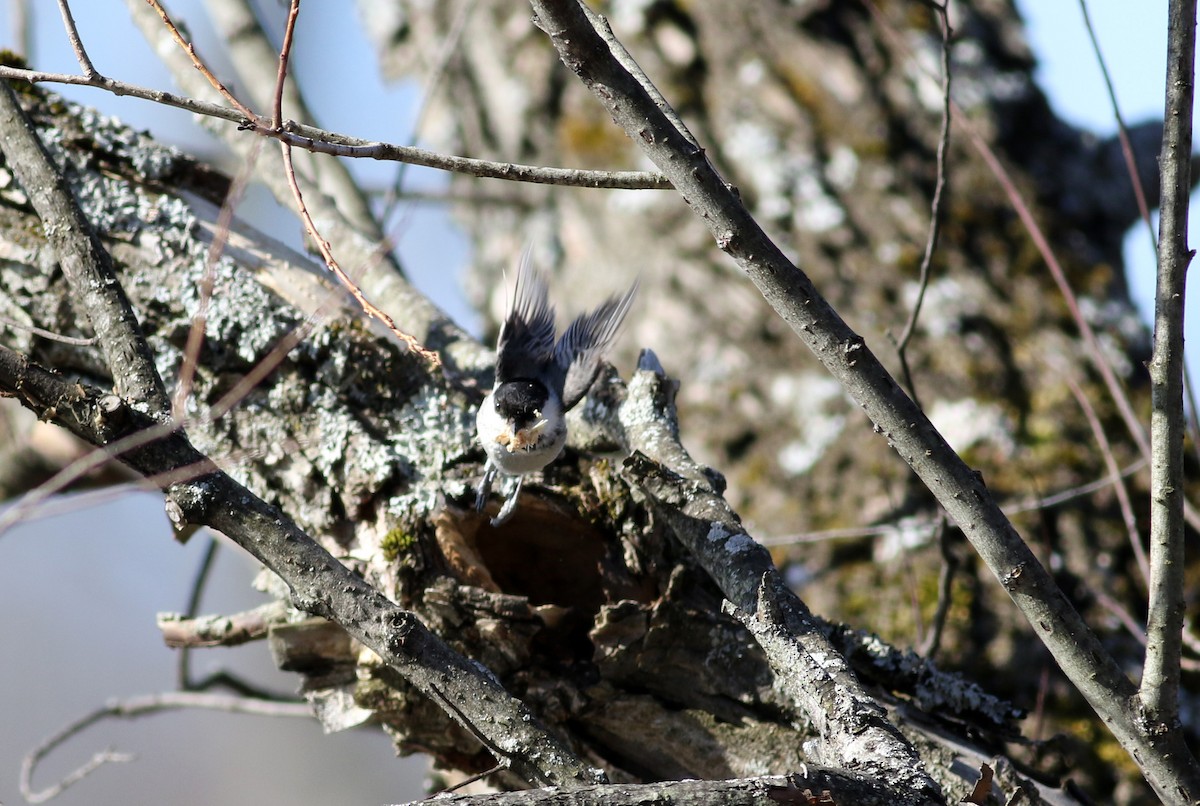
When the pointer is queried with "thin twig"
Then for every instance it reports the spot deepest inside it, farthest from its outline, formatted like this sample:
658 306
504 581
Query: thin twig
1190 639
950 563
293 187
479 776
195 339
254 57
1135 177
935 212
1010 508
1135 629
323 247
183 672
433 81
132 708
320 141
914 596
1036 503
79 468
1110 462
116 449
85 62
47 334
1193 420
1091 342
1159 690
285 50
190 50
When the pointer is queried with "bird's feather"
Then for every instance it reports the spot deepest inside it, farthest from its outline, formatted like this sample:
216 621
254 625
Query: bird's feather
582 347
526 341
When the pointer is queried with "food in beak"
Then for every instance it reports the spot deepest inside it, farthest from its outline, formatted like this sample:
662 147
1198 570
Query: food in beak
524 438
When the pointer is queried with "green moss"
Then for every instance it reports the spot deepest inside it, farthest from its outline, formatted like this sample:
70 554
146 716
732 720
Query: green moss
10 58
395 543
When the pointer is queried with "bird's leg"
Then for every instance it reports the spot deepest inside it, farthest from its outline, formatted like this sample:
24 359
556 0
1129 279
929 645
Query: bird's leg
485 485
510 506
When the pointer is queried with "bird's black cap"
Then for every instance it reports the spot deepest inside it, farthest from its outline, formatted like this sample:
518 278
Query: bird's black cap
521 400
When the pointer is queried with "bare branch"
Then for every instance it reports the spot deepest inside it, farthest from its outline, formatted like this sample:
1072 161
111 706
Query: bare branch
253 54
327 253
98 296
807 667
199 64
1110 462
935 205
181 631
85 63
133 708
1135 176
311 138
1164 627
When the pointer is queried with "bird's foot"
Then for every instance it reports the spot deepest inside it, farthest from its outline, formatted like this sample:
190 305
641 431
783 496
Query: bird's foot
485 486
510 506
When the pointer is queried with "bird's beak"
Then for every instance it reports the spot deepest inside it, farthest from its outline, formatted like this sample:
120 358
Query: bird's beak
523 438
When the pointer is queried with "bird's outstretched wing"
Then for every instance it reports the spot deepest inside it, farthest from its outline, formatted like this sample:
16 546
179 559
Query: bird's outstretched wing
526 343
582 347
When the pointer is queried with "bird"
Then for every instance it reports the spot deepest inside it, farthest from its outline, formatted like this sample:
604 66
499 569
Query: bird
521 424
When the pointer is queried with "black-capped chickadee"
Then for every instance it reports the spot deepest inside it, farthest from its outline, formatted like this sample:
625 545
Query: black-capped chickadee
522 424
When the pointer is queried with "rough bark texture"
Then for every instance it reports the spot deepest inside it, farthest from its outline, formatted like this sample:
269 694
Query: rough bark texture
825 117
584 606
